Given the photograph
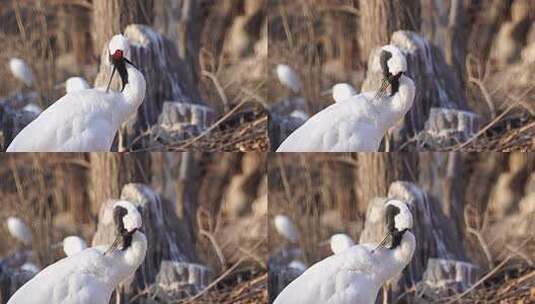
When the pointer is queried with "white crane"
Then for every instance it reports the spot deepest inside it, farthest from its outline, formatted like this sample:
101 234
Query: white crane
18 229
90 276
288 77
343 91
73 244
340 242
87 120
359 123
355 275
75 84
21 71
286 228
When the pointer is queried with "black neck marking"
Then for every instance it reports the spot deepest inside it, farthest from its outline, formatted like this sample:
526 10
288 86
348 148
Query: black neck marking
392 79
120 65
394 83
397 236
118 214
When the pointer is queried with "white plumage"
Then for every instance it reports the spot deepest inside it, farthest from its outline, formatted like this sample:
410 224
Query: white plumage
286 227
21 71
340 242
30 267
296 264
18 229
74 84
90 276
343 92
86 120
33 108
288 77
73 244
355 275
360 122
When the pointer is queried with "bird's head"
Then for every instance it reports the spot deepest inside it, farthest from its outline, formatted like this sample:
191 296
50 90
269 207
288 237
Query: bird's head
119 54
127 220
398 220
393 65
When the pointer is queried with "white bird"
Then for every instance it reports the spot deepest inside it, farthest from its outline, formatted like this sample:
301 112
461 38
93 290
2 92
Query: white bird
286 228
359 123
75 84
340 242
356 275
343 92
87 120
73 244
296 264
90 276
300 114
30 267
18 229
33 108
288 77
21 71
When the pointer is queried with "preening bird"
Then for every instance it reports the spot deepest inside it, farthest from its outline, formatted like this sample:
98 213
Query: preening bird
340 242
73 244
18 229
87 120
286 228
90 276
21 71
360 122
74 84
355 275
288 77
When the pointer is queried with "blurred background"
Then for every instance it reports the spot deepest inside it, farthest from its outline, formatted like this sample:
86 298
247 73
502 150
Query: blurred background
473 218
204 58
478 54
213 244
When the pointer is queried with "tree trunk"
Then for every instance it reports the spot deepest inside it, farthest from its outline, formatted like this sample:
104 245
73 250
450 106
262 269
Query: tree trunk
379 19
481 40
111 17
109 172
179 21
376 171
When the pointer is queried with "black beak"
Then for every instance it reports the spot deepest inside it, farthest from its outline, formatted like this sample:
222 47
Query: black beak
120 66
385 241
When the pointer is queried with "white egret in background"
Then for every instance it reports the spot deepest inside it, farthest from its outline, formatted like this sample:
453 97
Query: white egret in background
33 108
75 84
300 114
73 244
91 276
286 228
340 242
288 77
21 71
360 122
343 91
30 267
18 229
355 275
296 264
87 120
